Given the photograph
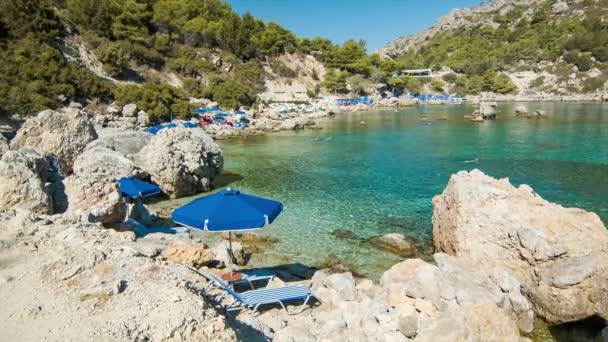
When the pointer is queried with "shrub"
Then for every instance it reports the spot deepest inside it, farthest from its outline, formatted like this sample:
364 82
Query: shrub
582 61
229 93
537 82
114 57
450 78
601 53
158 100
504 85
357 84
281 69
437 85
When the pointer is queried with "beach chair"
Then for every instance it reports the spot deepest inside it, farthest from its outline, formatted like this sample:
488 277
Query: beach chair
253 299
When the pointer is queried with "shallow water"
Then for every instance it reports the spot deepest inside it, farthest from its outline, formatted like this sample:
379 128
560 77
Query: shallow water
380 177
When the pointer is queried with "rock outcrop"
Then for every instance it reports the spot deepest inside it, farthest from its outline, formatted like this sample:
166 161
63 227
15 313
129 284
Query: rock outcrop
521 110
196 255
63 133
110 277
453 283
559 255
95 197
31 180
182 161
126 142
487 110
107 162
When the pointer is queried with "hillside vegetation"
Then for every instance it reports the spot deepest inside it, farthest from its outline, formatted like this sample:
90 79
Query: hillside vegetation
566 41
214 52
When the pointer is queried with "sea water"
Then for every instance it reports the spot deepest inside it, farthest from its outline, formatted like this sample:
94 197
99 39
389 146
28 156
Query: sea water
380 177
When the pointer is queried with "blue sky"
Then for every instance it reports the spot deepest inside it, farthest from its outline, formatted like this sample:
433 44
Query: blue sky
377 22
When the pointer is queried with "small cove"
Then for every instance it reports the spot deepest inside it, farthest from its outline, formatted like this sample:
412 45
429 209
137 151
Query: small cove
380 177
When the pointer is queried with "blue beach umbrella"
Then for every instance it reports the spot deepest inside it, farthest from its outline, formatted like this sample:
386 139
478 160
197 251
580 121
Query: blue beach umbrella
228 211
134 188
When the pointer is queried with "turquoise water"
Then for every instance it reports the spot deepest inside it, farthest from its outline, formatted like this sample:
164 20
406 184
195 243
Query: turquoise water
380 177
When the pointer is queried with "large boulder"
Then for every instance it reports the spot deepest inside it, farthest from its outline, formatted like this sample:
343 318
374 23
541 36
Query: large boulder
31 180
107 162
95 197
182 161
126 142
63 133
560 255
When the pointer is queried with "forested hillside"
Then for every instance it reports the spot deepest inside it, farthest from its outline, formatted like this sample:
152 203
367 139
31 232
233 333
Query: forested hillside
214 52
563 43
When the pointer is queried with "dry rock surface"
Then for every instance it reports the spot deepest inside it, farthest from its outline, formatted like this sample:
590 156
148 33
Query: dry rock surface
31 180
64 133
181 161
559 255
61 273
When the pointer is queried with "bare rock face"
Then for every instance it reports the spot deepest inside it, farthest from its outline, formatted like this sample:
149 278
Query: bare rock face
471 322
126 142
63 133
95 197
395 243
189 254
453 283
31 180
560 255
182 161
108 162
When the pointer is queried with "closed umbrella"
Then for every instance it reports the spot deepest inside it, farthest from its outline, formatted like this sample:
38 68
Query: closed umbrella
228 210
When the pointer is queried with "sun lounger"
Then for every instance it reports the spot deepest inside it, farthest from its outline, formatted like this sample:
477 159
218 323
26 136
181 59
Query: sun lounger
250 277
253 299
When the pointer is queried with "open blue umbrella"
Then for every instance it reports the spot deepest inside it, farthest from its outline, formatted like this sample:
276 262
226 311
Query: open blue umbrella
227 211
134 188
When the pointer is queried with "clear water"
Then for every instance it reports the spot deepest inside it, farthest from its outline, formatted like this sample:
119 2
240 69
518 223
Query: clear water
380 177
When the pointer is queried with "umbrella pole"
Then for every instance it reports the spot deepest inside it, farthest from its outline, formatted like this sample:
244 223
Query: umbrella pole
230 252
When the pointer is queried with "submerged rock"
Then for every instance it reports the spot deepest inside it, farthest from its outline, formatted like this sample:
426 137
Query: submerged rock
31 180
63 133
395 243
345 234
558 254
182 161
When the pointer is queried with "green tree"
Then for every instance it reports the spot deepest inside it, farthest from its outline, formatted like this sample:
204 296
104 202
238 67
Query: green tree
358 84
131 22
335 81
274 40
30 17
503 84
93 15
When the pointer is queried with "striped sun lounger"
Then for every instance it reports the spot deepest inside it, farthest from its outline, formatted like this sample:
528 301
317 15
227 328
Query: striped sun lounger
253 299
